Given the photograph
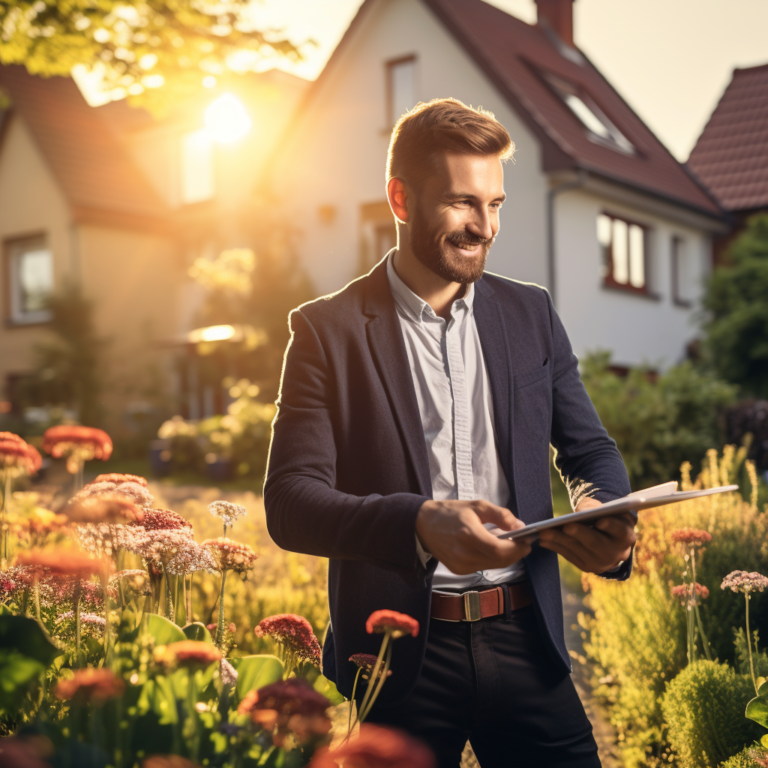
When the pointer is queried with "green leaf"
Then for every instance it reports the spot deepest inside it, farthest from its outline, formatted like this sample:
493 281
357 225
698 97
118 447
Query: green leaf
329 690
757 710
28 638
157 696
762 689
254 672
163 630
197 631
764 740
16 671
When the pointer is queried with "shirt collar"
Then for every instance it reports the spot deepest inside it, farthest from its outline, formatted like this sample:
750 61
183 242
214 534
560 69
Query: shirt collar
414 306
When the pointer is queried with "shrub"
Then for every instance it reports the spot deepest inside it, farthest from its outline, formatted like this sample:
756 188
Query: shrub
704 711
679 414
746 758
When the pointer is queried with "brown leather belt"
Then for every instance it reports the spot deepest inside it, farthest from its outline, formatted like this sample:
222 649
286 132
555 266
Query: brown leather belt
473 606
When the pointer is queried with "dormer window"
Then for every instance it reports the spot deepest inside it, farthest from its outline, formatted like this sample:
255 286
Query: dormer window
401 87
29 272
598 127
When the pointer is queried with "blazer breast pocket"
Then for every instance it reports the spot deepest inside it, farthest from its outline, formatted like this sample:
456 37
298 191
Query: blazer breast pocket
531 377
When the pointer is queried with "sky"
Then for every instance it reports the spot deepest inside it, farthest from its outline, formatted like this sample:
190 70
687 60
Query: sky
669 59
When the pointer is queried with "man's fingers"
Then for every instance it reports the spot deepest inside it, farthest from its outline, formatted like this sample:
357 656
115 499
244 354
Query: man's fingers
498 516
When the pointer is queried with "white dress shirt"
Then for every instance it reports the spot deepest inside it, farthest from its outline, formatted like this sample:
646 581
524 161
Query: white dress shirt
454 397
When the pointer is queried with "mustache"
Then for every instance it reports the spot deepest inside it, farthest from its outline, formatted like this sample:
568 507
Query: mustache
467 238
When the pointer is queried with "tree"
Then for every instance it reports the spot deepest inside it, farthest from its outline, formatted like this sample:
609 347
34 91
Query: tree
137 45
736 302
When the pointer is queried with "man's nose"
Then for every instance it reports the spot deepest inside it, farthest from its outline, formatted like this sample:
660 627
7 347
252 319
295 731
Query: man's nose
481 225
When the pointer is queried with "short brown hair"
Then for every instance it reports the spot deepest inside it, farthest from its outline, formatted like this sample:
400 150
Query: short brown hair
443 125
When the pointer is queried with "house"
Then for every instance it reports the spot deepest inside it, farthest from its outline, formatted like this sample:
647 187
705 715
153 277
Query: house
731 155
122 203
597 209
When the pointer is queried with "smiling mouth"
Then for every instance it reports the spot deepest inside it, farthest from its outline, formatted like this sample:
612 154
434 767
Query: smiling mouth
467 247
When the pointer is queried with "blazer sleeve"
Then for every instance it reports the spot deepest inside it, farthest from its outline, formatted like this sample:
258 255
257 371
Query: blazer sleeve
586 457
305 512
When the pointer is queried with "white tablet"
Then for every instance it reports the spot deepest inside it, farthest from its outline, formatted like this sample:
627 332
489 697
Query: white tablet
658 496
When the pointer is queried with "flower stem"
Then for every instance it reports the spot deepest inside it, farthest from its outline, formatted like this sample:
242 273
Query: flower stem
220 627
168 597
4 522
749 646
76 601
189 599
191 706
379 684
352 701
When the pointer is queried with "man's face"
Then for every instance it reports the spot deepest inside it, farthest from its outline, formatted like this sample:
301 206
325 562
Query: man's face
453 216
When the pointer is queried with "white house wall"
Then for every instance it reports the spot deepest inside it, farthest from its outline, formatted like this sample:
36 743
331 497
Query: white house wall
337 157
638 330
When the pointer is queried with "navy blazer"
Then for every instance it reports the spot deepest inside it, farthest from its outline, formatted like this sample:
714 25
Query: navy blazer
348 468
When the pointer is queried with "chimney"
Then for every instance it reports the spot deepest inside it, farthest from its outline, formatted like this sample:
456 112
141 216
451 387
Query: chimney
558 15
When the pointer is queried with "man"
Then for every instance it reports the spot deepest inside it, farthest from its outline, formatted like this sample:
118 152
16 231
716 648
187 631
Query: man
416 412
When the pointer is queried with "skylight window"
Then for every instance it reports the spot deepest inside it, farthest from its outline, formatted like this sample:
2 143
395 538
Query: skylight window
598 127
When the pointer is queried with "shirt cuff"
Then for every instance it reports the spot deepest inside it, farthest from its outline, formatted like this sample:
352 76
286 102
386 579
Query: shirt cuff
424 557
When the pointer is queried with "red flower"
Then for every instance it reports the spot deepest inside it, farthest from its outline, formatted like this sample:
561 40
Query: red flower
398 624
377 747
289 706
190 654
62 440
163 520
692 536
295 633
366 662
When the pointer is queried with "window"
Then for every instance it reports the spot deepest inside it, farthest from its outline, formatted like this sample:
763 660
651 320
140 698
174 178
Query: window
197 178
599 128
401 87
683 279
30 279
623 245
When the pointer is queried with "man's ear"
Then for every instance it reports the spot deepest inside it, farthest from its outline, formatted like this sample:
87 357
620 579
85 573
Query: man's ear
397 197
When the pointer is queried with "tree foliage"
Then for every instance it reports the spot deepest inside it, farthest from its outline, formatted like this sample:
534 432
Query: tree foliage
136 44
736 300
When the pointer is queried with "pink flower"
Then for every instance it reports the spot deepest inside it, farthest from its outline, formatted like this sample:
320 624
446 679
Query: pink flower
163 520
691 536
231 555
741 581
683 592
118 479
294 633
398 624
134 492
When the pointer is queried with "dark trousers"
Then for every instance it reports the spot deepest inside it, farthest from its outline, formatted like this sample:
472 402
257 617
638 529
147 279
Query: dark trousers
492 682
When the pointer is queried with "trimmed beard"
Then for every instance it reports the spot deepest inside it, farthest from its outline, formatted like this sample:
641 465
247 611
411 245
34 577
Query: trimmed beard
429 247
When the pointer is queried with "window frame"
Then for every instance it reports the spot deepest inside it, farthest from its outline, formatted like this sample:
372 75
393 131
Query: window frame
608 280
389 67
14 318
674 258
184 177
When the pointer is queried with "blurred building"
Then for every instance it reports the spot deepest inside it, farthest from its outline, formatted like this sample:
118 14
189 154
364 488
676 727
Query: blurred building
597 209
122 203
731 155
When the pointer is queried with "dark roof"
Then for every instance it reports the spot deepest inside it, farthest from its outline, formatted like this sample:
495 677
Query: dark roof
87 158
517 57
731 155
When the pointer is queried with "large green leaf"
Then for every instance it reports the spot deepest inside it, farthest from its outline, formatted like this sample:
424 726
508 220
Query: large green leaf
162 630
757 710
28 638
16 671
254 672
157 697
197 631
328 688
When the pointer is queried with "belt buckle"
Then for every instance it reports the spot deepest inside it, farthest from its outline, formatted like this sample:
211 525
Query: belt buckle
472 610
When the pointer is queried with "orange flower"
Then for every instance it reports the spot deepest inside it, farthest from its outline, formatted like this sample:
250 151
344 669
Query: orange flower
398 624
17 455
377 747
103 509
168 761
683 592
190 654
89 684
78 444
118 479
691 536
289 706
25 752
231 555
63 561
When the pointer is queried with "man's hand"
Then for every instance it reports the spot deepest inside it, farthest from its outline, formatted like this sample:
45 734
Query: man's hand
453 532
593 550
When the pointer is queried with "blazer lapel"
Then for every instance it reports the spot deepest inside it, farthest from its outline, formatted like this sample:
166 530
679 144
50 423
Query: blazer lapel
492 331
385 339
